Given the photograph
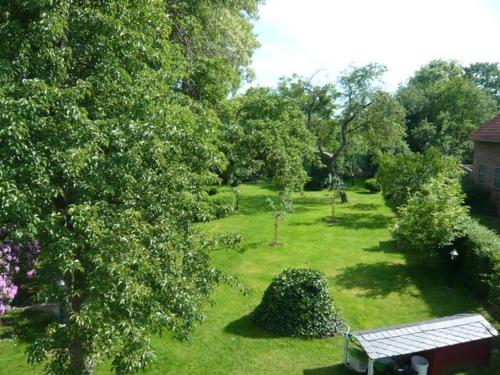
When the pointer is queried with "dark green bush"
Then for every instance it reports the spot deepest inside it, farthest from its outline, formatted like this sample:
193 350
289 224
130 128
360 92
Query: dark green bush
222 204
212 190
298 303
372 185
480 249
476 196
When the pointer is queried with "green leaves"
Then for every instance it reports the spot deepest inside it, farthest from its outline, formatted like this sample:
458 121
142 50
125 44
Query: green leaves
105 156
444 105
433 217
297 303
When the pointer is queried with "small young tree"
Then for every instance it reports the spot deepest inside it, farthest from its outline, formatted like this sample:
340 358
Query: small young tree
433 217
281 207
336 189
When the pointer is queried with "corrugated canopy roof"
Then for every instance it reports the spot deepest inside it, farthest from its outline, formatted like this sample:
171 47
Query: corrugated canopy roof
430 334
488 132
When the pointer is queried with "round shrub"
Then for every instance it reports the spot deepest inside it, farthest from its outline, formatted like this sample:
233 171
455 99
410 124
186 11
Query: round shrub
372 185
298 303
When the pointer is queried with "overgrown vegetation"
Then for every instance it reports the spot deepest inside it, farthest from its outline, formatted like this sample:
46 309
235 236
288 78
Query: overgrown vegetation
480 251
298 303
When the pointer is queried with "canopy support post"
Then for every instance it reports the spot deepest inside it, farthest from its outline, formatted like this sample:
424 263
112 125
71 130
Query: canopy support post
370 366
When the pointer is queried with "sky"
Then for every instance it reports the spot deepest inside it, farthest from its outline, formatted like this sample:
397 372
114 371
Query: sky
326 36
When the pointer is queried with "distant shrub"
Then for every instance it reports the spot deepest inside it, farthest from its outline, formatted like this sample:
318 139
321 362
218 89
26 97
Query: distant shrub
372 185
222 203
298 303
480 249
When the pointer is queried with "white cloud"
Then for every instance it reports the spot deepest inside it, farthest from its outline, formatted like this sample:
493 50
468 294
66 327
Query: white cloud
304 36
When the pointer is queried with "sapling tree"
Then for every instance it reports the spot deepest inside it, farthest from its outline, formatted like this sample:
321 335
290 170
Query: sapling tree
281 206
336 189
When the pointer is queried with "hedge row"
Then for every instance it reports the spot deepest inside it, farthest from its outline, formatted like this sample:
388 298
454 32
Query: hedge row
481 263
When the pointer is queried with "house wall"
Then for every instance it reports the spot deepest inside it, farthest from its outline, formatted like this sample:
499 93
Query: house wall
487 154
456 357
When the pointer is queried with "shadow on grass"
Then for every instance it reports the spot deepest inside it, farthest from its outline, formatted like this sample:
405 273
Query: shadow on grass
429 284
252 246
349 221
244 327
357 221
364 206
377 279
26 325
385 247
328 370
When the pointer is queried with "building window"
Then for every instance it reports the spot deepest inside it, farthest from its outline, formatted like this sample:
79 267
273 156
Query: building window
480 176
497 178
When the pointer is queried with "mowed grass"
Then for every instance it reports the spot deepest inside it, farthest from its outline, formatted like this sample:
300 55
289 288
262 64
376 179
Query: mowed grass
373 283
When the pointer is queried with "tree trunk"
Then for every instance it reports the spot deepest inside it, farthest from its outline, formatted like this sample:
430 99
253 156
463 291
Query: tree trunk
276 230
80 362
343 197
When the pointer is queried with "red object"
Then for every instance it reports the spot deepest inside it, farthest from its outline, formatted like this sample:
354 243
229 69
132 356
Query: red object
489 131
460 356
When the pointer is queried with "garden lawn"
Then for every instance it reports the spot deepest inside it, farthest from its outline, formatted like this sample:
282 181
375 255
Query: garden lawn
372 282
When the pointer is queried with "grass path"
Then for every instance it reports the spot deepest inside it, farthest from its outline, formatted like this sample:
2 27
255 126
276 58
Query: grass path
371 281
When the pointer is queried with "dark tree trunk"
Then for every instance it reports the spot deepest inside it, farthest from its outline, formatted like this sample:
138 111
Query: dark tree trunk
79 360
343 197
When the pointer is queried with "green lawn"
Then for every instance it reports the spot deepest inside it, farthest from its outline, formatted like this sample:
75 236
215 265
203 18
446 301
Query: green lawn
372 282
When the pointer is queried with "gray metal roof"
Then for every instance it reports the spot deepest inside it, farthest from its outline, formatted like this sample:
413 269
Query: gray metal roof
430 334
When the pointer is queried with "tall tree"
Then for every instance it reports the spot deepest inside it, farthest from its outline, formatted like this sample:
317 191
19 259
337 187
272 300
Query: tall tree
486 76
217 42
104 158
443 107
353 114
264 135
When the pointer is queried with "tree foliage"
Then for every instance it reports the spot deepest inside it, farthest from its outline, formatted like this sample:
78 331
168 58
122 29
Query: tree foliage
433 217
264 135
443 107
352 117
486 76
298 303
105 154
403 174
217 41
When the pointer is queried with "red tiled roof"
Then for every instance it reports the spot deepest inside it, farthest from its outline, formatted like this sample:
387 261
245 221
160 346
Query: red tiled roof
488 132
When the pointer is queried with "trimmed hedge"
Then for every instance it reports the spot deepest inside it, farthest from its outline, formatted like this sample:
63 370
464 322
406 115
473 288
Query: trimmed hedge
372 185
298 303
481 262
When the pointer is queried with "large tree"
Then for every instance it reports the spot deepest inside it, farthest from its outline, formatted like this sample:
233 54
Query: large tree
486 76
443 107
352 116
217 43
264 135
103 160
